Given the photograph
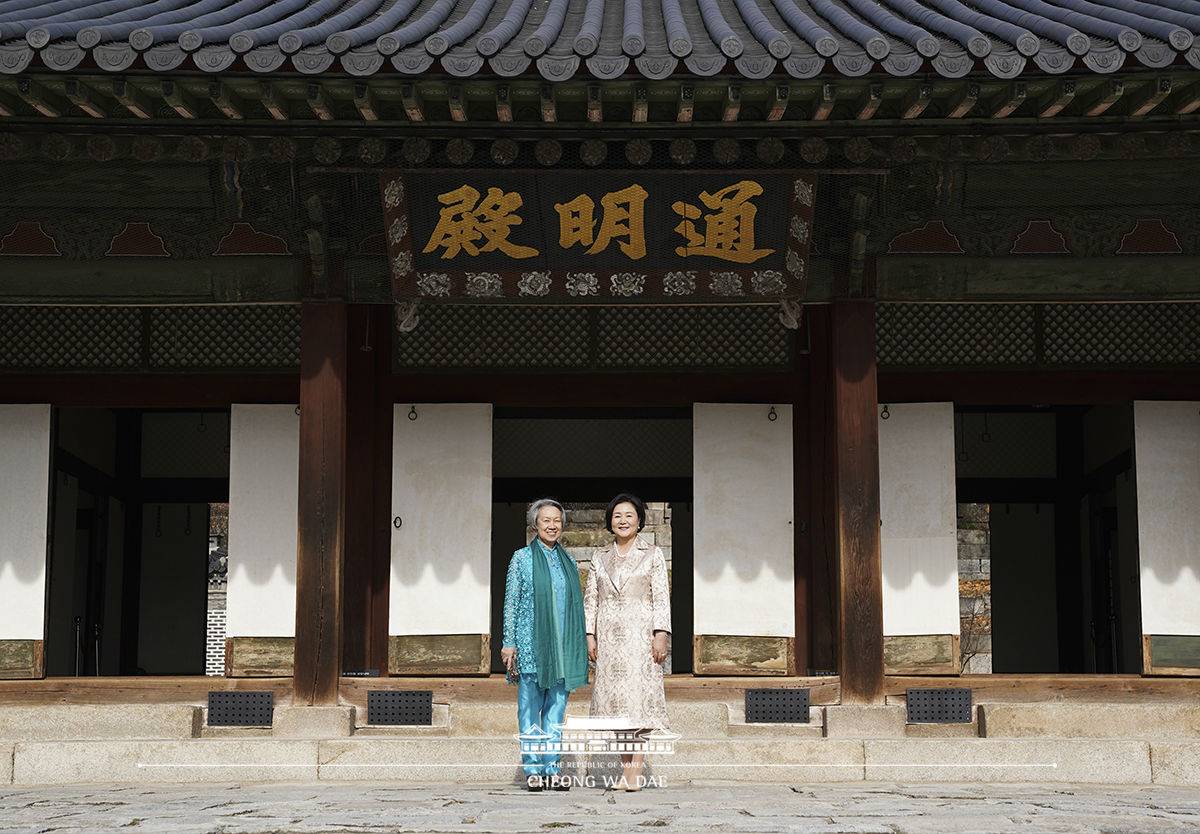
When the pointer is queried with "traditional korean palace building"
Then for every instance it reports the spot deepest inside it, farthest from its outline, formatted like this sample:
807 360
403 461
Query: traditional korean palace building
891 308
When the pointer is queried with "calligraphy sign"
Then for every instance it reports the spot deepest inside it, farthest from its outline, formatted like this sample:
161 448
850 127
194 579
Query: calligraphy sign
620 234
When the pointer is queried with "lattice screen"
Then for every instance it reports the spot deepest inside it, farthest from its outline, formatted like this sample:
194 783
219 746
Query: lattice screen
597 337
111 338
1037 335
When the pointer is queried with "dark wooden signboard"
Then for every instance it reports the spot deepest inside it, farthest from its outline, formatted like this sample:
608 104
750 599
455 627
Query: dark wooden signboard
588 235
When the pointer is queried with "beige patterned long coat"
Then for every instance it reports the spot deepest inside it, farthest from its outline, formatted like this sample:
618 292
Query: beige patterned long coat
625 602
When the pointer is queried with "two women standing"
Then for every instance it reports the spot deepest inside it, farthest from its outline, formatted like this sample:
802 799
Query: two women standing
625 613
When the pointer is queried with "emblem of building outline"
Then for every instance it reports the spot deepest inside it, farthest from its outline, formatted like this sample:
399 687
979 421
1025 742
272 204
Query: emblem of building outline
597 735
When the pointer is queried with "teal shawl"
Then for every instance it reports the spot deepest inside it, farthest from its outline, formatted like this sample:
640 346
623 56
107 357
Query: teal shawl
571 664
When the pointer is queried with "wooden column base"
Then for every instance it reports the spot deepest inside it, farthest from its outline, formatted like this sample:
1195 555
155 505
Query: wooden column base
1171 654
735 654
921 654
22 659
259 657
439 654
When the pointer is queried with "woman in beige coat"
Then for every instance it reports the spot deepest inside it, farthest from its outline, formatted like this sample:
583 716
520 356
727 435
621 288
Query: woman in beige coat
627 611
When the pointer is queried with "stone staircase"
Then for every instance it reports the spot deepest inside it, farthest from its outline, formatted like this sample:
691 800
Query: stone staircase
1114 743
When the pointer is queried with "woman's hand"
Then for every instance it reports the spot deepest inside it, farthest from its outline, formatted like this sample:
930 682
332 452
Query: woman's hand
591 638
508 654
658 646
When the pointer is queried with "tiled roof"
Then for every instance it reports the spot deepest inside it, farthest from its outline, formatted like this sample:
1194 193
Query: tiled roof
602 38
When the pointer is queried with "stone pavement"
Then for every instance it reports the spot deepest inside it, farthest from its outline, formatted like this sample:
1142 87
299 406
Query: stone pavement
863 808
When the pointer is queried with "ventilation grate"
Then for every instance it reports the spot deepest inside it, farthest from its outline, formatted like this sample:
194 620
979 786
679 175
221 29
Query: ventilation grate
774 706
240 709
939 706
404 706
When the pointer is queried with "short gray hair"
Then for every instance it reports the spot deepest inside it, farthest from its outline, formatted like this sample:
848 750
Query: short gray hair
536 506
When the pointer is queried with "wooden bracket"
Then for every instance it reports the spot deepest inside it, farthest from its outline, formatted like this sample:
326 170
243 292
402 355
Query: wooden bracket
825 103
1009 100
41 99
364 102
226 101
1053 102
779 103
916 101
963 101
504 112
456 103
1189 102
641 103
132 99
687 101
1104 95
85 98
276 106
1150 97
410 97
870 102
179 100
319 102
733 103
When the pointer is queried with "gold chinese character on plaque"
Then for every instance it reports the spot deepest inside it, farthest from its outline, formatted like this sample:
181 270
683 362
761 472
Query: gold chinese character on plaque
623 216
473 224
728 229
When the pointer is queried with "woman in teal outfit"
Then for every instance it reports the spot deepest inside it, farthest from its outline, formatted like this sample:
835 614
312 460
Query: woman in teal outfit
544 647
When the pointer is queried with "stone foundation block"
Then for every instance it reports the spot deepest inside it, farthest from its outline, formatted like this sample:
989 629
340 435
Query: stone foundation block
486 720
6 764
738 728
698 719
313 722
99 721
762 760
941 731
420 760
883 721
999 760
195 760
1175 763
1081 720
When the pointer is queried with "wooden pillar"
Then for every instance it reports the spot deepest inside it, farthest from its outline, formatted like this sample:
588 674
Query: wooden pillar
821 444
368 488
322 502
860 579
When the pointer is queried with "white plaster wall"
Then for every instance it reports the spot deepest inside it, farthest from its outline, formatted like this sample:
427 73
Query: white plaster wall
264 475
919 536
744 546
442 492
24 513
1167 462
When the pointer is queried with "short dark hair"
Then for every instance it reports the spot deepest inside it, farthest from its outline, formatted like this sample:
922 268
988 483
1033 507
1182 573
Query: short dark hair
625 498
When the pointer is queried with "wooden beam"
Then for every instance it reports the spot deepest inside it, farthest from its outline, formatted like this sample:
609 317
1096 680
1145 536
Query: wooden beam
454 99
860 578
8 105
226 100
963 101
825 102
870 102
779 103
504 112
687 100
275 104
41 99
733 103
1059 97
1008 101
1189 101
549 108
320 545
595 103
1150 97
133 99
1103 96
319 102
179 100
916 101
641 103
410 97
364 102
85 98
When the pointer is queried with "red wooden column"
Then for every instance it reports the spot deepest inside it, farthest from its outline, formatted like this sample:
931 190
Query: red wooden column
860 576
321 534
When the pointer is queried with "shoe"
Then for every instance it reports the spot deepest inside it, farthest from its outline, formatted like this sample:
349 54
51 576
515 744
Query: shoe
558 782
533 784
